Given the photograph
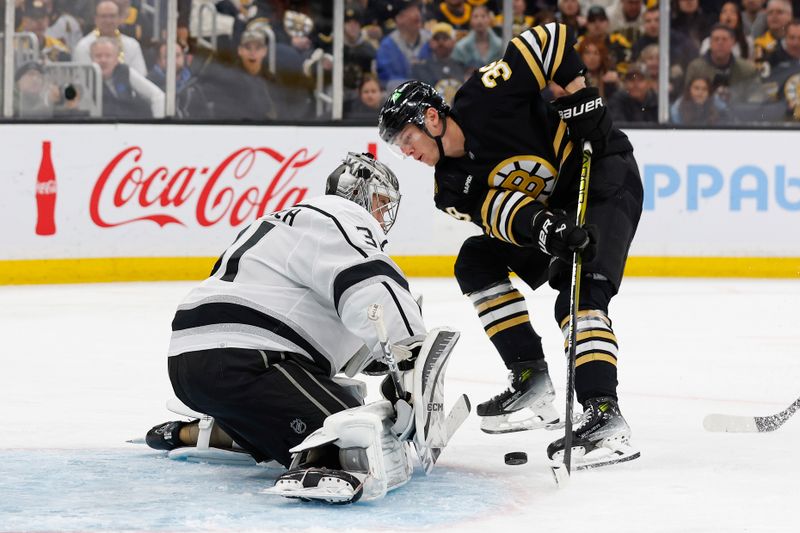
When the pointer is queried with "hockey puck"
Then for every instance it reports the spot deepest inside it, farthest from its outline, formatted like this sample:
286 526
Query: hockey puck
516 458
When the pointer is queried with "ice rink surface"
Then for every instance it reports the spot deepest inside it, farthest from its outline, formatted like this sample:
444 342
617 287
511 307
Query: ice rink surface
84 369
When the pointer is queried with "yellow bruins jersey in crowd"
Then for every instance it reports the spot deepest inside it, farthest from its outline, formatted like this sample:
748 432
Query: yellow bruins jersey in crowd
517 148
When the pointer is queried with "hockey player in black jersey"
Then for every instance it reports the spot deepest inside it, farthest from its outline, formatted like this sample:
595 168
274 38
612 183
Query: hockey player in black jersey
506 160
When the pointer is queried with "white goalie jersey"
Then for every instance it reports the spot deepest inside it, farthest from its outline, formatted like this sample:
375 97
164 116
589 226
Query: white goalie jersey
300 280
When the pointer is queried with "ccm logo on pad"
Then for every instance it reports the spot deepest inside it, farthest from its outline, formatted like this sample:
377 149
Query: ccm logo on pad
583 108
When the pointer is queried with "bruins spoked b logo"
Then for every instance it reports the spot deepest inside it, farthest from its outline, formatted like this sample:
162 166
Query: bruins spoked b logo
527 174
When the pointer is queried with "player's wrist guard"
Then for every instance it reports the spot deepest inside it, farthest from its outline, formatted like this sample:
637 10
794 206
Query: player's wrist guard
558 236
586 116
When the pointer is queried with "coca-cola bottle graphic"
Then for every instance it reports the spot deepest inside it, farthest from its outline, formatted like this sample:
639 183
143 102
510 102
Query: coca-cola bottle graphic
46 194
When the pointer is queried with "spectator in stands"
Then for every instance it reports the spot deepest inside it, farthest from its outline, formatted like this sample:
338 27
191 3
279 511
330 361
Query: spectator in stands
107 21
456 13
650 59
698 106
569 14
440 70
521 21
126 93
599 71
754 17
190 100
359 54
481 45
788 49
783 82
779 14
243 91
625 17
618 47
133 22
735 79
36 20
30 94
368 102
636 101
731 16
400 49
64 24
690 20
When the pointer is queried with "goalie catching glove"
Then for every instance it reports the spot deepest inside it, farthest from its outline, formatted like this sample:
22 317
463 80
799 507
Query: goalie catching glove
586 117
558 236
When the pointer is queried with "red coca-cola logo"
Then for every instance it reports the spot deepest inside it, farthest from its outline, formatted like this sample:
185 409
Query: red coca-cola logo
245 185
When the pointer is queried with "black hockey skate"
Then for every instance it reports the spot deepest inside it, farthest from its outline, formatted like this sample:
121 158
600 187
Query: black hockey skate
600 438
526 404
166 436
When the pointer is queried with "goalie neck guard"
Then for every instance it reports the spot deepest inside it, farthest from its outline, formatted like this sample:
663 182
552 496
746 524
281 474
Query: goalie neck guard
366 181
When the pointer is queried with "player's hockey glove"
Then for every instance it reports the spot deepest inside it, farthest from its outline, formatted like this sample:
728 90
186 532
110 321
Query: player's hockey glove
558 236
405 354
587 117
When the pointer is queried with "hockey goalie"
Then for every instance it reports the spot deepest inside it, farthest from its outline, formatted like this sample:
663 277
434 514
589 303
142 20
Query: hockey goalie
256 348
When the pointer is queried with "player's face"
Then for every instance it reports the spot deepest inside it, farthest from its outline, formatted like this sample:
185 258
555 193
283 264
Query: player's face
413 143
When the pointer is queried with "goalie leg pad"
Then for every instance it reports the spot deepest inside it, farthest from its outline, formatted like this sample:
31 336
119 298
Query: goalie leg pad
366 449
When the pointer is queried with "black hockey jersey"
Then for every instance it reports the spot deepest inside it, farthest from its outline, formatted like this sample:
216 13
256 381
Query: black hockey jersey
517 148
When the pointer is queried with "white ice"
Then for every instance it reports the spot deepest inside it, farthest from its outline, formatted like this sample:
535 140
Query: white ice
84 369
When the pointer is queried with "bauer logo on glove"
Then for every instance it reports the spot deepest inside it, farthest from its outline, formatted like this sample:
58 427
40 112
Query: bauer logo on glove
583 107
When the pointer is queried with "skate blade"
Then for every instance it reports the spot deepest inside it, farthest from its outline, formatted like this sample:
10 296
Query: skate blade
214 456
609 454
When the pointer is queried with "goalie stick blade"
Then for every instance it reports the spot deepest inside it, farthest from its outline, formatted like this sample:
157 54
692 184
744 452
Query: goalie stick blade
458 414
718 423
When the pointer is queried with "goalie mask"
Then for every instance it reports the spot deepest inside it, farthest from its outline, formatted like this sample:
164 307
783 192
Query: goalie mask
366 181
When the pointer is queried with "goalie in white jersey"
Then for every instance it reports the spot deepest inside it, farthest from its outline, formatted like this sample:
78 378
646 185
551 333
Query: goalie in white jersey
257 344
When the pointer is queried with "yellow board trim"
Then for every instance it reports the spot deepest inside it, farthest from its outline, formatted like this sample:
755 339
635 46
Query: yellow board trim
100 270
582 360
507 324
537 72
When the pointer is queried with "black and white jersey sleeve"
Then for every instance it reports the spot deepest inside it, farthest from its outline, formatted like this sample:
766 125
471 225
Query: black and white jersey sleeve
301 281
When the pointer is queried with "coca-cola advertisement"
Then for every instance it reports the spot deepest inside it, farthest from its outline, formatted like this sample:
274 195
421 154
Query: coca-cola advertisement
124 191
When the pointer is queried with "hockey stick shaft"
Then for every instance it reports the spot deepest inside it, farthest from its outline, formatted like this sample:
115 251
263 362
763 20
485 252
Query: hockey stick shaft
575 289
375 315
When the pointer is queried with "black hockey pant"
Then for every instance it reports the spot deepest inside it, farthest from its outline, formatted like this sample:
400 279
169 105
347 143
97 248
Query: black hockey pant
268 402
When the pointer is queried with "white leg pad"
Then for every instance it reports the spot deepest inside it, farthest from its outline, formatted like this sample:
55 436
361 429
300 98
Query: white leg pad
368 450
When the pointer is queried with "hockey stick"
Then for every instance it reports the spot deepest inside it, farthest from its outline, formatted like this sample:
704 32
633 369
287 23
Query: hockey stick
560 474
749 424
375 314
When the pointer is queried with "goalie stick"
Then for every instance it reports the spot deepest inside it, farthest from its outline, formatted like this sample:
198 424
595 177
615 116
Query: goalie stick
720 423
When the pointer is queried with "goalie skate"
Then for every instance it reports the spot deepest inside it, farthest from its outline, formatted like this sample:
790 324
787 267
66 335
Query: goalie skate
601 438
527 404
318 484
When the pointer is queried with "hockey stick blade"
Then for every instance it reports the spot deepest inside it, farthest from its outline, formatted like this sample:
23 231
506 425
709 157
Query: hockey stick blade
560 474
719 423
458 414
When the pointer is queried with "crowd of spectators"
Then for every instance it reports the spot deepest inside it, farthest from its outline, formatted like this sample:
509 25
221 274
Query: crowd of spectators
730 61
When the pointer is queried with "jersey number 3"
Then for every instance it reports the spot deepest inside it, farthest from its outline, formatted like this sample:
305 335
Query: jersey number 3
494 70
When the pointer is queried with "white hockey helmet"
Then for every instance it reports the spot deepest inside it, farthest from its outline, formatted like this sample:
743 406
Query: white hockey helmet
366 181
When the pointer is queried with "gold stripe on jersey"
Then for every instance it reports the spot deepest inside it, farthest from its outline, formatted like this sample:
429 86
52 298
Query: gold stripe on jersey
567 151
513 215
559 139
535 67
561 34
485 210
500 212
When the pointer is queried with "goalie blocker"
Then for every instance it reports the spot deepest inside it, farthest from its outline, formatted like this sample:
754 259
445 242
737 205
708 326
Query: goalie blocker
364 452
